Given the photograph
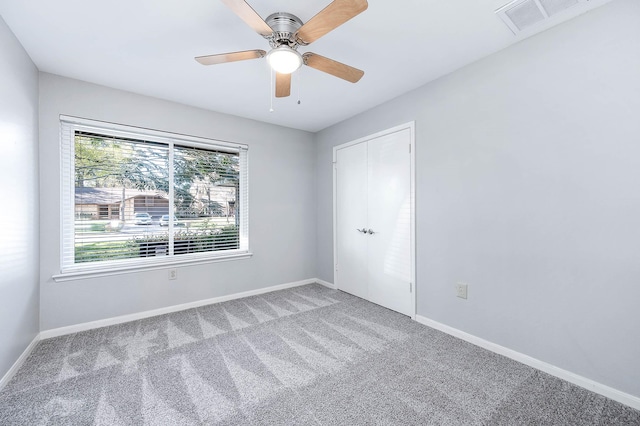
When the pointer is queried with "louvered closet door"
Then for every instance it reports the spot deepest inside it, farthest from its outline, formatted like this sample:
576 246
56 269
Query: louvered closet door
389 217
351 204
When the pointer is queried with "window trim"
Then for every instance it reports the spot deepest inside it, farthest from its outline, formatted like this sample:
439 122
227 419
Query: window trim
151 265
68 126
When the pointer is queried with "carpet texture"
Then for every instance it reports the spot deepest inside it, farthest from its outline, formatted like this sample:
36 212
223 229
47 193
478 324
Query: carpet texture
308 355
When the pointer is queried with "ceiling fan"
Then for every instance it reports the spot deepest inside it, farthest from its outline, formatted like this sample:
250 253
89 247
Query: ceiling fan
285 33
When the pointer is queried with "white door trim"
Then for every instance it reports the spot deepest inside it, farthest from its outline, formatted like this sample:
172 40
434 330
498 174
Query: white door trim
411 127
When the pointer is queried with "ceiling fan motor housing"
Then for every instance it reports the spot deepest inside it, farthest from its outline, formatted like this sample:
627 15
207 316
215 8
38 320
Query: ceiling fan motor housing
284 26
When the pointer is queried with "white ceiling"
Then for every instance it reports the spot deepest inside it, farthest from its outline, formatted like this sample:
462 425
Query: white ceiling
148 46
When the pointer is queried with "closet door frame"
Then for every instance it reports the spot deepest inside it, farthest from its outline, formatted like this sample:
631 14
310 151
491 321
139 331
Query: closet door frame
411 127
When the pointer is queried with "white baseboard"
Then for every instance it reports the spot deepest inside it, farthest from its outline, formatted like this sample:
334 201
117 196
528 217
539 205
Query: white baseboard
55 332
609 392
326 284
16 365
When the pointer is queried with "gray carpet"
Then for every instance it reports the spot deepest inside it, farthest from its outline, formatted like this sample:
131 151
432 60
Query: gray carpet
309 355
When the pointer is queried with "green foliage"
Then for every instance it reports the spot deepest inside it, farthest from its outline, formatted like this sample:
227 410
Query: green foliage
229 238
105 250
108 163
91 226
190 241
97 227
102 162
205 223
185 241
195 172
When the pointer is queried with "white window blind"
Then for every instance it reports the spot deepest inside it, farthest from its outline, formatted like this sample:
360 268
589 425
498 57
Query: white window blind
139 197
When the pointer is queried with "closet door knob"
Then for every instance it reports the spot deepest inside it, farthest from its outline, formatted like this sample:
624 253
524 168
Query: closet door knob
370 232
363 230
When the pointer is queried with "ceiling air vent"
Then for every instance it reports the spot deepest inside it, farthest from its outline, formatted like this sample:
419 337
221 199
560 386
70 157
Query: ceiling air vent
522 14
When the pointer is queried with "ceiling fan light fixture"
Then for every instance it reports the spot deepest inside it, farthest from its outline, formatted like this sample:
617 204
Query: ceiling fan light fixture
284 60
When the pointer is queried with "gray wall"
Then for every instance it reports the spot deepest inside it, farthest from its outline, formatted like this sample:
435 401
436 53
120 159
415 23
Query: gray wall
282 206
528 165
19 298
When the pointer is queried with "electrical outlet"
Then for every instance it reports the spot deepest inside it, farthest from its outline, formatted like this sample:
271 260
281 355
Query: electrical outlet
173 274
461 290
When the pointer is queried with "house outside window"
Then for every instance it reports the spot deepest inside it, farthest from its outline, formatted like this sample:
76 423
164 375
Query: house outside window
135 198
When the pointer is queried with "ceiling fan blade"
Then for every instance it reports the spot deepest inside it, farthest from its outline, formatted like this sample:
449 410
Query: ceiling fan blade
249 16
337 13
231 57
283 85
332 67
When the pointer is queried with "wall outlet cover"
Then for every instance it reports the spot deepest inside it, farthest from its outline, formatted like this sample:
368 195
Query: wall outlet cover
173 274
461 290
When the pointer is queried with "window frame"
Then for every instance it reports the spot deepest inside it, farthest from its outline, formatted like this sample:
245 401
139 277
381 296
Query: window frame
71 270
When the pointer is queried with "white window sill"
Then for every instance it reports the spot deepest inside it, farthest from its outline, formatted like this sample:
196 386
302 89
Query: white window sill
95 272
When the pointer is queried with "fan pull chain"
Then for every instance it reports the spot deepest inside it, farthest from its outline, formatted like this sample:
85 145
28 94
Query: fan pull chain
298 84
271 91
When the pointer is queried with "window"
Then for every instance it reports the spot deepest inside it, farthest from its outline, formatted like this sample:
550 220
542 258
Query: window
135 198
